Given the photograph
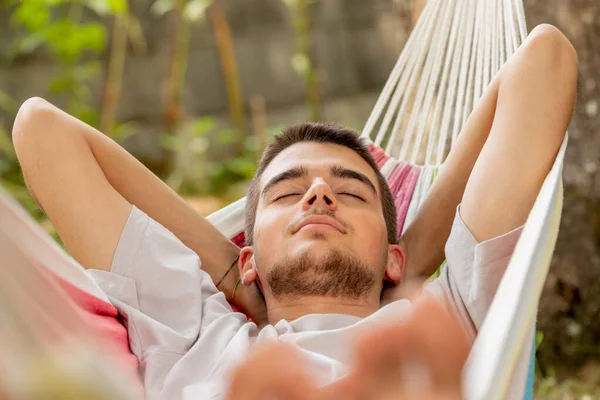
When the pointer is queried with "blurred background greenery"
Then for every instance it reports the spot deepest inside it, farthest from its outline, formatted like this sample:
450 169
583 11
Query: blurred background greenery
195 88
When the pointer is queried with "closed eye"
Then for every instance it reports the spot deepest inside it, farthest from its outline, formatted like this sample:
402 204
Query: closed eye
286 195
352 195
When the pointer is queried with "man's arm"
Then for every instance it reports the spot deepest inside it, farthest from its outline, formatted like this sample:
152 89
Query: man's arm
86 183
504 152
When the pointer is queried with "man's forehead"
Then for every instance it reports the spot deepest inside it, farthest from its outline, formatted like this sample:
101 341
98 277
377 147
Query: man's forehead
316 158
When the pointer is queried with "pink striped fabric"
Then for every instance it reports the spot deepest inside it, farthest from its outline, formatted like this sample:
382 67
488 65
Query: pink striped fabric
402 182
379 155
102 318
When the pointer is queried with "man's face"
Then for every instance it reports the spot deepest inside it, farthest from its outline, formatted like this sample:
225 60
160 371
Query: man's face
319 222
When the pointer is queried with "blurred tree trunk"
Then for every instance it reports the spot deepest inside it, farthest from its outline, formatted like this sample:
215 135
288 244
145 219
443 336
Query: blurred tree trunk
229 66
173 109
303 60
114 79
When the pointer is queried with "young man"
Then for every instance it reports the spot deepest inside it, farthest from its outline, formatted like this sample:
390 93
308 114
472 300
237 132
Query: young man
320 229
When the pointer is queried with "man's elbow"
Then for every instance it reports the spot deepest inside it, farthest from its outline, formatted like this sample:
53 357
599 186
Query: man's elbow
32 127
552 49
33 114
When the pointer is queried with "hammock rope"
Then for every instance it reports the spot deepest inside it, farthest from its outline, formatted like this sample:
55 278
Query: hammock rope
456 48
439 77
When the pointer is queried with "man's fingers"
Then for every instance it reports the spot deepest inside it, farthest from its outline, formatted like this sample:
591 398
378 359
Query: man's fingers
429 346
276 370
409 289
421 356
441 340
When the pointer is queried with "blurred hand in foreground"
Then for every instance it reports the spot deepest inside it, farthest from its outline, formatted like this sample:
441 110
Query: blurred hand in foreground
420 357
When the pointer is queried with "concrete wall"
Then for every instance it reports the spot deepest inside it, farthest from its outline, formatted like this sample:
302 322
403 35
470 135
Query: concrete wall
356 43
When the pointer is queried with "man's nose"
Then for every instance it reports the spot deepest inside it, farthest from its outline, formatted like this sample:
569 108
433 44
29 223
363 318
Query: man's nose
319 195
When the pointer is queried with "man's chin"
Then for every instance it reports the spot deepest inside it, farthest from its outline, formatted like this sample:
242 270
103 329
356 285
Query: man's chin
315 248
316 268
321 236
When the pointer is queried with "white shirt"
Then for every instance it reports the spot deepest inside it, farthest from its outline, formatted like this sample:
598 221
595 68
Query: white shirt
188 339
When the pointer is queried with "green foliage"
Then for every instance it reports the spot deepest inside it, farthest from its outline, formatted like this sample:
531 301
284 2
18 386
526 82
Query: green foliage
11 178
63 36
69 41
539 338
551 389
56 28
203 161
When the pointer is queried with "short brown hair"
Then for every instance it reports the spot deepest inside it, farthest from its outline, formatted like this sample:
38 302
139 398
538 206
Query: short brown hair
320 133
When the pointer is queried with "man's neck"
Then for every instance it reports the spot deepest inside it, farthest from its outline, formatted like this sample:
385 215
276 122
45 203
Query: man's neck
294 309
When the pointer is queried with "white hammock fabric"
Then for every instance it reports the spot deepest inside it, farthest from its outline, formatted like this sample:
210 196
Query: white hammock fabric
452 54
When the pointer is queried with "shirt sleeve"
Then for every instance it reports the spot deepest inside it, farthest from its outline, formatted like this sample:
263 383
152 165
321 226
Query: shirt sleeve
473 272
469 281
158 286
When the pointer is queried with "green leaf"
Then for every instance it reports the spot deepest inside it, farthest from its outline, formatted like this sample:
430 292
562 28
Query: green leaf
169 142
87 71
29 43
62 41
203 126
243 167
54 3
69 41
5 166
119 6
94 36
301 64
33 15
7 103
84 113
122 131
6 146
539 338
225 137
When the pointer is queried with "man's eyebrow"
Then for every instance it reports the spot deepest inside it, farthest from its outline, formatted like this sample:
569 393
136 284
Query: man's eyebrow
341 172
292 173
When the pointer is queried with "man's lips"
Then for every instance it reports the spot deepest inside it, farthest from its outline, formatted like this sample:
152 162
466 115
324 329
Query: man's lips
320 220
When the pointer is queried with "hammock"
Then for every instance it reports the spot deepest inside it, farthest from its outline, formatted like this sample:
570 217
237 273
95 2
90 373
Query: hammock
455 49
67 343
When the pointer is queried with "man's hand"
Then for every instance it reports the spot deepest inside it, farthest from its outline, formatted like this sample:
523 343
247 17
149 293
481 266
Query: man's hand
403 360
250 301
407 289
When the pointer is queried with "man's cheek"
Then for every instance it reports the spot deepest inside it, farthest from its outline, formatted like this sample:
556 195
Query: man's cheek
372 234
269 224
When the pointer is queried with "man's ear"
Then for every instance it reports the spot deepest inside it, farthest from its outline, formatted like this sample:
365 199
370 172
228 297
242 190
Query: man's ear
247 266
396 264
